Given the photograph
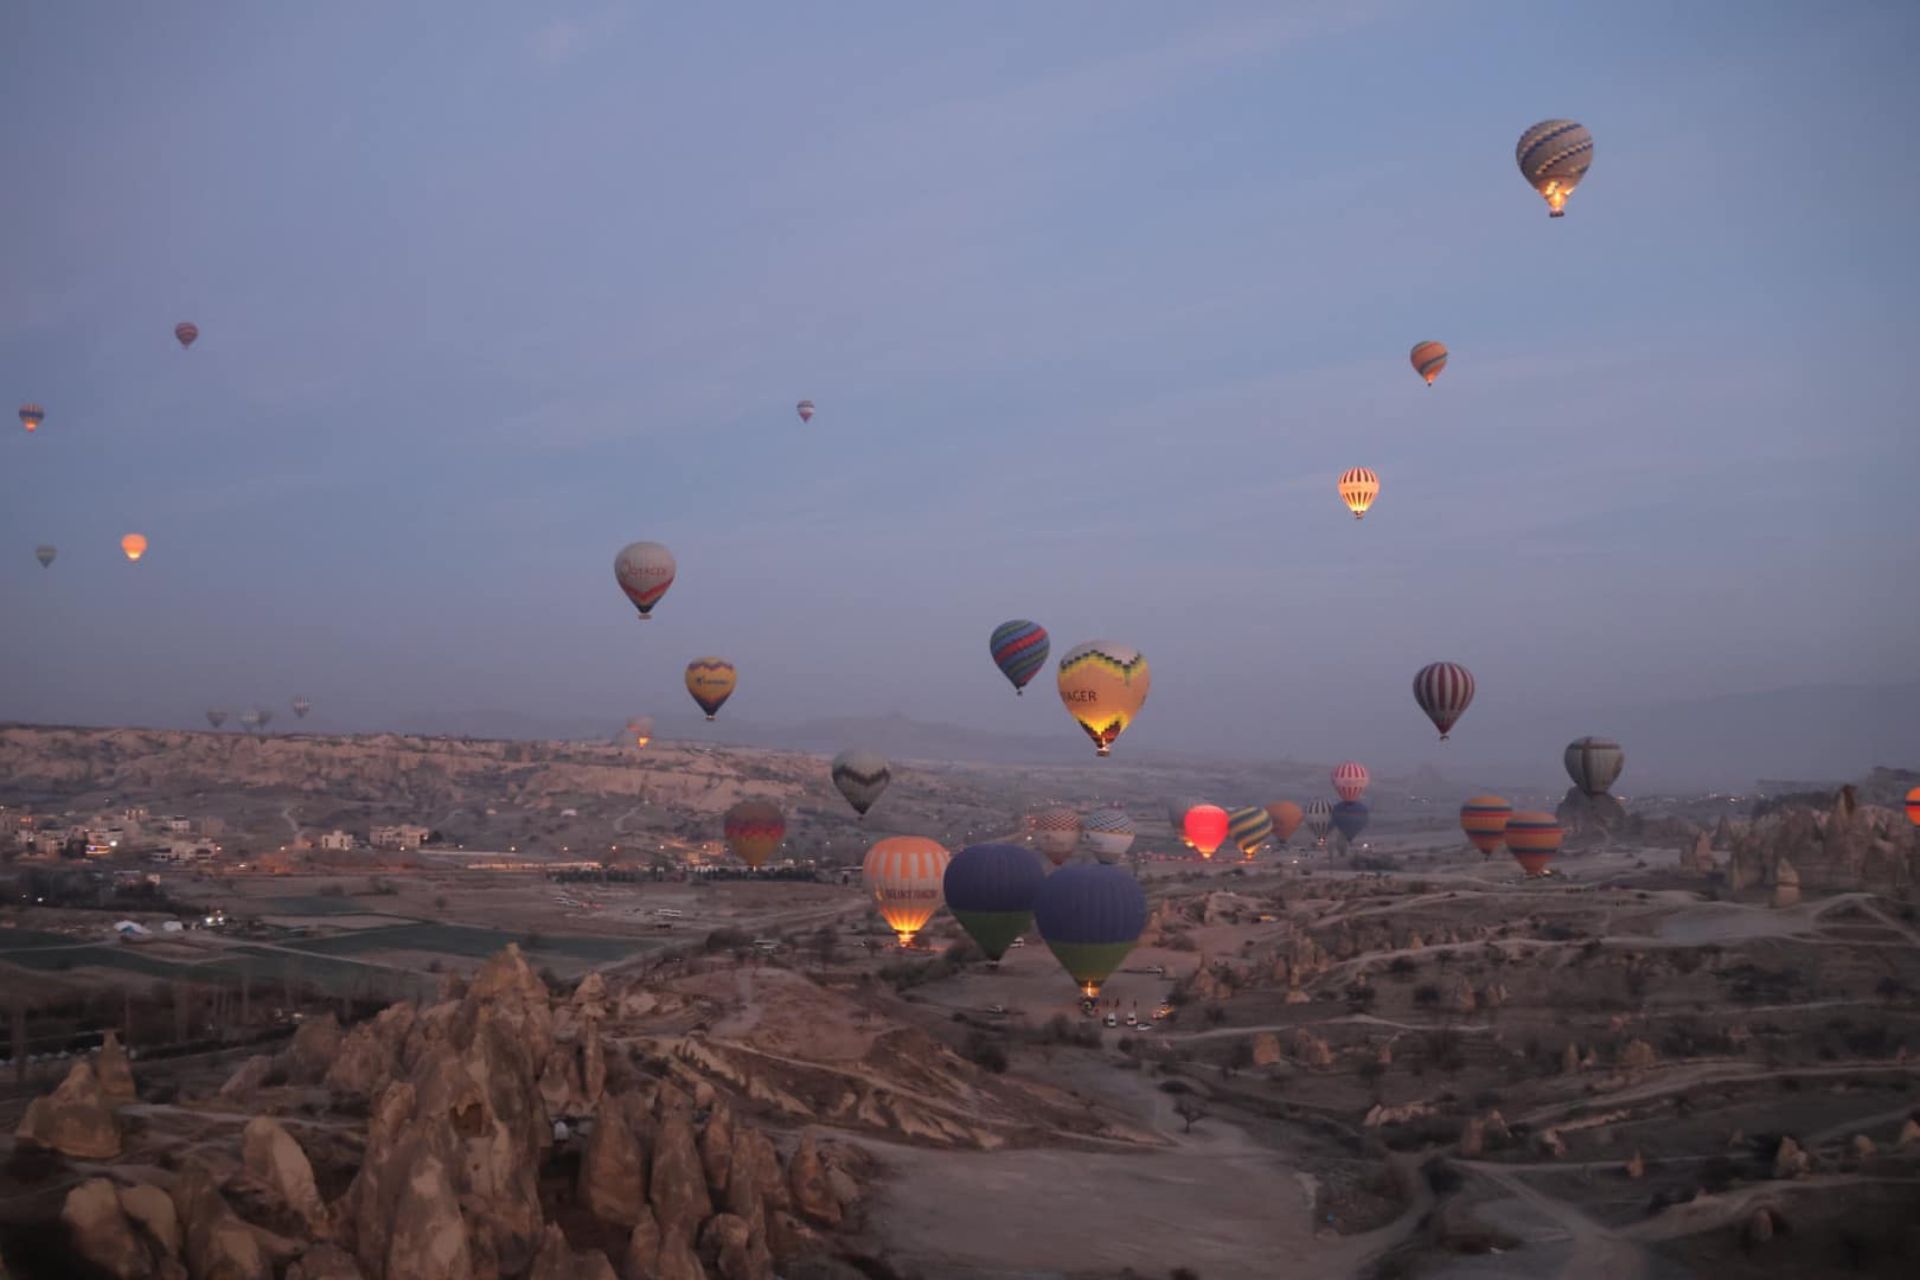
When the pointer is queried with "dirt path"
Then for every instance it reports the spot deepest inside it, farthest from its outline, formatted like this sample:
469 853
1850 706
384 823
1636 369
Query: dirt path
1593 1252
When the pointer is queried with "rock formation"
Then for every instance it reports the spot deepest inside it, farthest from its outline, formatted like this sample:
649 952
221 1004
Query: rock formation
1786 884
1790 1161
114 1072
74 1119
273 1159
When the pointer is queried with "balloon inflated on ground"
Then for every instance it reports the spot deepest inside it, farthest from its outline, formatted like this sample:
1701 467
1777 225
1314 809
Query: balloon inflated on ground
1090 916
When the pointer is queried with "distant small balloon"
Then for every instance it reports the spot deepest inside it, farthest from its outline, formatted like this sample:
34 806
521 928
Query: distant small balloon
640 729
1484 819
1205 827
644 571
1554 156
133 546
300 708
1350 818
1109 833
1533 837
1429 358
711 682
861 776
45 553
1250 828
186 332
805 408
1358 488
31 416
754 830
216 717
1350 779
1056 832
1594 764
1444 691
1019 649
1319 819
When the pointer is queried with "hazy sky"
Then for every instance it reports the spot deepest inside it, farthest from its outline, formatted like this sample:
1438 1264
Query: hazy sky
1096 301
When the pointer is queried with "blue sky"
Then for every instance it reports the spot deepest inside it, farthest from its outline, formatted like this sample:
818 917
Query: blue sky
1096 301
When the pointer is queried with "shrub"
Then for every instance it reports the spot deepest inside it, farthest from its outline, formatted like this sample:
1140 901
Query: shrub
1426 995
1402 967
985 1051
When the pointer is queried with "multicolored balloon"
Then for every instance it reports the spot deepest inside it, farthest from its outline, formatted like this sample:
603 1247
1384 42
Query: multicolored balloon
1090 916
805 409
45 553
300 707
1554 156
133 546
1484 819
644 571
1286 817
1533 837
1205 827
186 332
754 830
1350 818
990 888
1594 764
1250 828
1019 649
711 681
31 416
861 776
1056 832
1429 358
905 875
1444 691
1350 779
1359 486
1319 820
1109 833
1103 686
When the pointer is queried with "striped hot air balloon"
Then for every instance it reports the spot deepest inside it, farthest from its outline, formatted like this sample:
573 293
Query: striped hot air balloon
1109 833
1359 486
1286 817
1103 685
1484 819
1090 917
861 776
1444 690
186 333
754 830
1350 779
1594 764
1319 820
301 705
905 876
1056 832
1429 358
1913 806
644 571
805 410
31 416
1205 826
1533 837
990 888
1019 649
711 681
1553 157
1350 818
1250 828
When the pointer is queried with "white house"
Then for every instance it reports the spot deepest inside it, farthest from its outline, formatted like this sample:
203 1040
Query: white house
336 841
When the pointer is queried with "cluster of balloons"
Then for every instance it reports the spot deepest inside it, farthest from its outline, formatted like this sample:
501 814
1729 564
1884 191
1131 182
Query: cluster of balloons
260 717
1090 915
1533 837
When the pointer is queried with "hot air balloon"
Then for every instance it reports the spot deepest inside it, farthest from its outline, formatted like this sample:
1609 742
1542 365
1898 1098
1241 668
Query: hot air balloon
1444 691
1913 806
644 571
44 553
1019 649
31 416
1090 917
1553 156
250 720
710 681
1056 832
1350 818
1286 817
1103 686
1350 779
216 717
185 332
300 708
990 889
1484 819
1205 826
1109 833
905 875
133 546
1594 763
805 408
1250 828
1177 816
640 729
263 717
1429 358
861 776
754 830
1358 488
1533 838
1319 820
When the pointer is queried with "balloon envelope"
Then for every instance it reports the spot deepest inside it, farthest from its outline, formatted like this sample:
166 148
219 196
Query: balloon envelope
186 332
861 776
1019 649
1429 358
754 830
1913 806
990 888
1206 827
1286 817
710 681
1350 779
1533 837
1594 764
905 876
1109 833
640 729
1090 916
1554 156
1319 819
1250 828
216 717
44 554
1103 686
31 416
1484 819
1444 690
1350 818
133 546
1358 488
300 708
644 571
805 409
1056 832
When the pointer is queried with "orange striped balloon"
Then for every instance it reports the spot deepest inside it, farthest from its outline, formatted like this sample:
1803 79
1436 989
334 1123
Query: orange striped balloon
1484 819
1533 837
754 830
1429 358
905 875
1358 488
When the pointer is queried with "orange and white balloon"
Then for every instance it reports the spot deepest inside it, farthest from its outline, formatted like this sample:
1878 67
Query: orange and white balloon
905 875
1359 486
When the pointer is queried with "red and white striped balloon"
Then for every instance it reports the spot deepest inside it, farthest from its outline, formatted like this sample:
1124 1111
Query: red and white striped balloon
1444 690
1350 779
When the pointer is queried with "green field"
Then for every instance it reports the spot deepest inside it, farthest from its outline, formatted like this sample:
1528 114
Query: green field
108 956
27 939
320 904
470 942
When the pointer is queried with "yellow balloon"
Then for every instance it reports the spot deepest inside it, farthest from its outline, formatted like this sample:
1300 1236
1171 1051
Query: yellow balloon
1358 488
1103 686
710 681
134 545
906 876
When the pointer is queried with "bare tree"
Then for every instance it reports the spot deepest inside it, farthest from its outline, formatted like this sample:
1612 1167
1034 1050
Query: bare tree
1189 1109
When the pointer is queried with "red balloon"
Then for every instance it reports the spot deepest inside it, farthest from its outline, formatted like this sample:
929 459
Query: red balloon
1205 828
